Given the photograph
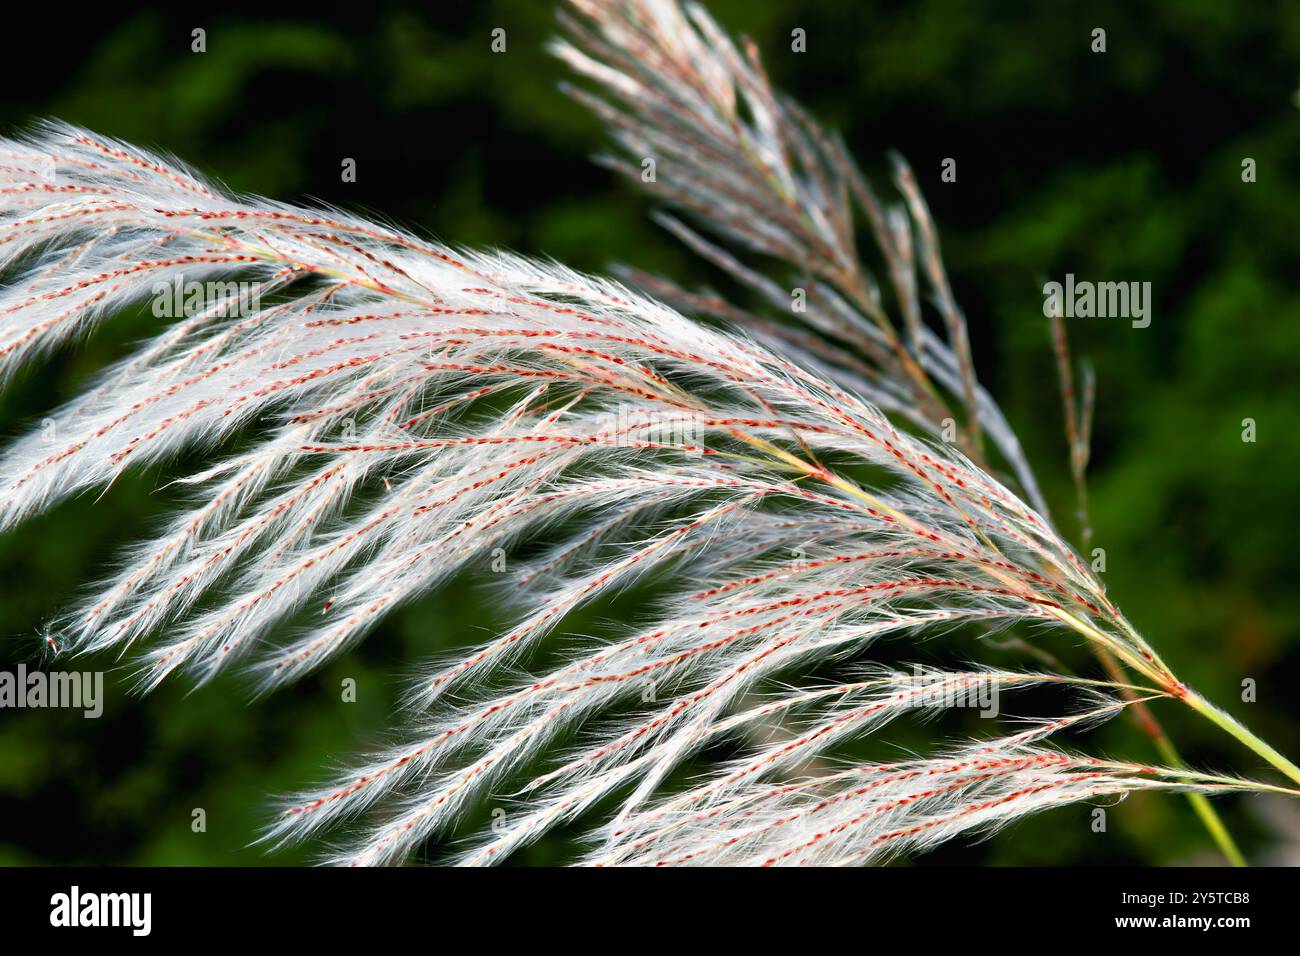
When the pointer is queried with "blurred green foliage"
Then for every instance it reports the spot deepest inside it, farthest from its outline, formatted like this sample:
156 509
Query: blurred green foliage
1122 166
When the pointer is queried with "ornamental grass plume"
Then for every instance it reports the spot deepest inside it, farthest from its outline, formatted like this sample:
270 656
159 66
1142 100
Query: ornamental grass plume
395 411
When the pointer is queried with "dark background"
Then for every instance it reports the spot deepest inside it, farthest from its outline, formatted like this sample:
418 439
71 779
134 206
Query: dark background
1117 166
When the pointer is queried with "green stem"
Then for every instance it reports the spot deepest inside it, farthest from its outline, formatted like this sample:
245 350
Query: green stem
1237 729
1201 804
1204 808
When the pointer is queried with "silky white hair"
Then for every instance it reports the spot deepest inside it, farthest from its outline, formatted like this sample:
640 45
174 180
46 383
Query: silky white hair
405 410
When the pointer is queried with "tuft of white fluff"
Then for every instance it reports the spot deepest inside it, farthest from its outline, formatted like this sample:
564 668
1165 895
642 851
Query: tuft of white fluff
407 408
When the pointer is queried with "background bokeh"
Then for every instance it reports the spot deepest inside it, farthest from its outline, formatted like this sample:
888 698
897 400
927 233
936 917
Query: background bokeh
1121 166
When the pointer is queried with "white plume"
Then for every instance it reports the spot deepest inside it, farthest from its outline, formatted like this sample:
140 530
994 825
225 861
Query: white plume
398 410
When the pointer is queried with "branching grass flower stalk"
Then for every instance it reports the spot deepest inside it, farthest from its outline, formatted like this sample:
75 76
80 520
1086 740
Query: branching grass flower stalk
407 411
